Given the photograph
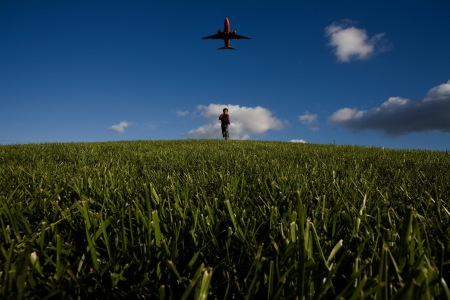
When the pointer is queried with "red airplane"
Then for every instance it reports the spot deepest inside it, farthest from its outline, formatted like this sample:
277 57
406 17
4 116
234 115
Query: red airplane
226 36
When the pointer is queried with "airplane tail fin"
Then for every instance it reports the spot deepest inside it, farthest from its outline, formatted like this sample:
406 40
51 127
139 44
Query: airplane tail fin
226 48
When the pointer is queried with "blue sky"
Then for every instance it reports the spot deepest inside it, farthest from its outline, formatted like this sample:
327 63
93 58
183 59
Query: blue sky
370 73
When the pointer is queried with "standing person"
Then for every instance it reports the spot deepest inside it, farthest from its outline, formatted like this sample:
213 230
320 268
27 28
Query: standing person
225 118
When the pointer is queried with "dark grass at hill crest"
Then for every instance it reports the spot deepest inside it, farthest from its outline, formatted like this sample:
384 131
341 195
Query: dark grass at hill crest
228 219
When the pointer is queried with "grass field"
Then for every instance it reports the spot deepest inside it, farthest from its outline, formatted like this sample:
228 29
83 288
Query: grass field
214 219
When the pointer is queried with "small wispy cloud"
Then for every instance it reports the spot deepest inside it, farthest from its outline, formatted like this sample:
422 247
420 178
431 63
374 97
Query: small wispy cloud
350 42
119 127
298 141
399 116
150 125
182 113
245 121
309 120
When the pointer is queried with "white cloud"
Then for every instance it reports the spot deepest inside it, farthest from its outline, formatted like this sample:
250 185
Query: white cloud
309 120
245 121
354 43
394 102
345 114
206 131
182 113
119 127
398 116
438 93
298 141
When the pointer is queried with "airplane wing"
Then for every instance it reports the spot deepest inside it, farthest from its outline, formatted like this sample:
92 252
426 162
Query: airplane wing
214 36
239 37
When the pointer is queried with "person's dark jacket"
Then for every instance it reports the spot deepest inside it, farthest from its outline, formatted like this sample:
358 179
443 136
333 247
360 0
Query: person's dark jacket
225 120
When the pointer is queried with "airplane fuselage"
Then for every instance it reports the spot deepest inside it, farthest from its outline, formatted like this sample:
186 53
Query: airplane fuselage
226 31
226 35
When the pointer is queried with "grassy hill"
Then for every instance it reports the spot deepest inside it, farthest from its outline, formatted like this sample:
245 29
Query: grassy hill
223 219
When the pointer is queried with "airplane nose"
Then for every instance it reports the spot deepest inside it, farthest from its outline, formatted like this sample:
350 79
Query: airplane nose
226 23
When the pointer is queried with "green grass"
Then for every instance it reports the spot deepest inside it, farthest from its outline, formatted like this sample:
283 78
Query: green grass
223 220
